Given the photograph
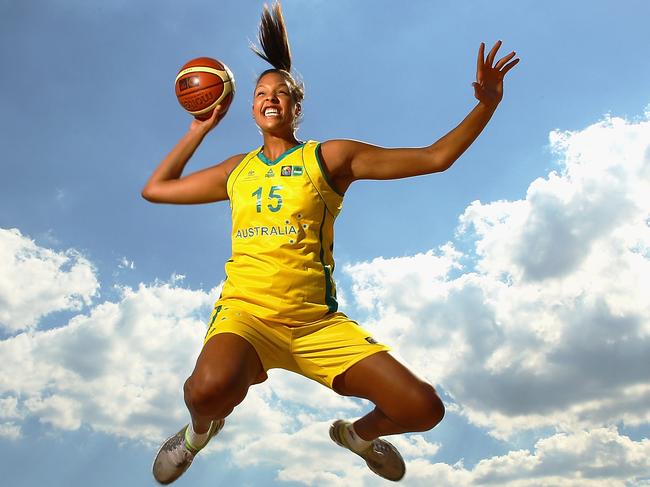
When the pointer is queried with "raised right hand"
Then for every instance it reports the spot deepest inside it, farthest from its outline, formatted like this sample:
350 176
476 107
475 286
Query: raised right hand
206 125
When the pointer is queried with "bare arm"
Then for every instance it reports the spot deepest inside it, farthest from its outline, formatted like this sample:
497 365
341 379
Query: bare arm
349 160
205 186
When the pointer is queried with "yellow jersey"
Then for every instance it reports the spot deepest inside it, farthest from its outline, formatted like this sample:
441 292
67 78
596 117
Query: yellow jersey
283 214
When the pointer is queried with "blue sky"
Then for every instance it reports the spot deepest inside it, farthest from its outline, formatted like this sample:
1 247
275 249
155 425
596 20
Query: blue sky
513 281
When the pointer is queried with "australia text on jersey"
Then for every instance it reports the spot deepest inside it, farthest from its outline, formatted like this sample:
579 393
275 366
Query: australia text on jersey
265 231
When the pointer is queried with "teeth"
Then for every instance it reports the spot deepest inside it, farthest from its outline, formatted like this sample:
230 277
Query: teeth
271 112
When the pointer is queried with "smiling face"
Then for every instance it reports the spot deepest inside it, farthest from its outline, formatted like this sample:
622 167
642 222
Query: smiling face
274 108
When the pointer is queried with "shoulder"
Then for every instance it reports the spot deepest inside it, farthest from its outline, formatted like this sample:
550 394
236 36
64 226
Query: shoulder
336 149
341 152
232 162
337 156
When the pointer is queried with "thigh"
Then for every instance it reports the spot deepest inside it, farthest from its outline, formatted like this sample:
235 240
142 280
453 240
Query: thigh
403 401
234 335
230 360
382 379
389 384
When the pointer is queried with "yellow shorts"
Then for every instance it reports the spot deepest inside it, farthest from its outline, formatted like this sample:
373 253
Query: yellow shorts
320 351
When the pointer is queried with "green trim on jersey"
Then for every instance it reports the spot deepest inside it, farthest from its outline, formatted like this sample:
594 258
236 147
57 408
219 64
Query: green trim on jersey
330 298
324 171
269 162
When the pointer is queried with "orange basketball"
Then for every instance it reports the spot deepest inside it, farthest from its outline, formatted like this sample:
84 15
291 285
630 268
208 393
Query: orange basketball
202 84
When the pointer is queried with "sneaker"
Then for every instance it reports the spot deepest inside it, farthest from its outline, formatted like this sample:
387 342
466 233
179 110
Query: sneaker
176 455
381 456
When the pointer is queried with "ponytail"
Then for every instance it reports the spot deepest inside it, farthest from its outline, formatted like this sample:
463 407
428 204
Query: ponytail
274 48
273 39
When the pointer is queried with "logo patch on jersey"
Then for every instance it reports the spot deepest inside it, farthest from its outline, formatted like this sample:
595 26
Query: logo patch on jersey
372 341
250 175
291 171
270 174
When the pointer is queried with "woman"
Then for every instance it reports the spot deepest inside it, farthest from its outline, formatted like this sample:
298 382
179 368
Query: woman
278 304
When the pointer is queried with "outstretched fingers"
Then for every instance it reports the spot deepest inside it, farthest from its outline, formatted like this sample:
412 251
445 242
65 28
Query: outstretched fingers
503 65
509 66
492 54
481 56
501 62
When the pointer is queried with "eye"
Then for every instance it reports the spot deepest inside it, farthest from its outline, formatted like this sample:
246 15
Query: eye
259 93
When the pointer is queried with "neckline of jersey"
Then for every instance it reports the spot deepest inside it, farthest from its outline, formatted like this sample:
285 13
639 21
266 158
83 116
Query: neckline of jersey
269 162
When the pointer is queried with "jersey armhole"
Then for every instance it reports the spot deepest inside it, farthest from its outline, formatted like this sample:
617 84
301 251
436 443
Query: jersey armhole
237 170
324 171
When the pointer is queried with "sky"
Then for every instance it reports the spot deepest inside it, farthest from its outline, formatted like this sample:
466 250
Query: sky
515 282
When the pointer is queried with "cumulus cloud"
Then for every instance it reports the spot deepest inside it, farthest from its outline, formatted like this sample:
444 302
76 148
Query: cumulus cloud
10 431
548 331
600 457
310 445
125 263
118 369
9 411
36 281
551 328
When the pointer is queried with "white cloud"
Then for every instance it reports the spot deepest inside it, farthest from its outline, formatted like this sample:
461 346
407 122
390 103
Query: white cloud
551 329
119 369
60 411
415 446
375 281
555 312
297 391
9 410
307 456
10 431
600 457
36 281
9 407
125 263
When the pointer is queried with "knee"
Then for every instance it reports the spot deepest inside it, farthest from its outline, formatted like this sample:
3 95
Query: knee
423 409
212 392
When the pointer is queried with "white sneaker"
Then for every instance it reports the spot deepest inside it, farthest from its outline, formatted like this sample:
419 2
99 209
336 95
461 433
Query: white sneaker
176 455
381 456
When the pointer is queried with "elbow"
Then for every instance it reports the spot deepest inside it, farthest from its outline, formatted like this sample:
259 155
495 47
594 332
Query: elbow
148 195
443 162
443 166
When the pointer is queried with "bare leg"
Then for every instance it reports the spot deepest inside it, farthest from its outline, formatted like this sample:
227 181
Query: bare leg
403 402
227 366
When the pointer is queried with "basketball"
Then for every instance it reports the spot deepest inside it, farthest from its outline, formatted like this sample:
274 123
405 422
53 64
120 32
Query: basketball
202 84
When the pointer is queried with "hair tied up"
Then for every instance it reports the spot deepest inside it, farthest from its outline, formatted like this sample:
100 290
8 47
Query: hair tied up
273 39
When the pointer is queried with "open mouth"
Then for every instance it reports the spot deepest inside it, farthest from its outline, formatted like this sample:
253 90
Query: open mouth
271 112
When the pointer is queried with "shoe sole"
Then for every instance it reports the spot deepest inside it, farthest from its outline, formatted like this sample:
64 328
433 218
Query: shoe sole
372 468
216 430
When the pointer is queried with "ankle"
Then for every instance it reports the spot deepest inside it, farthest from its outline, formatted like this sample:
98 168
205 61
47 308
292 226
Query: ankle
196 440
357 442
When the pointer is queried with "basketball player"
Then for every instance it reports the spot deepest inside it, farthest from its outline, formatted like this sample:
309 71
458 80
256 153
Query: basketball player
278 305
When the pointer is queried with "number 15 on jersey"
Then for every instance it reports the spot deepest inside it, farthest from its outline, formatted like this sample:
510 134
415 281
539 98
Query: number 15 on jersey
274 198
